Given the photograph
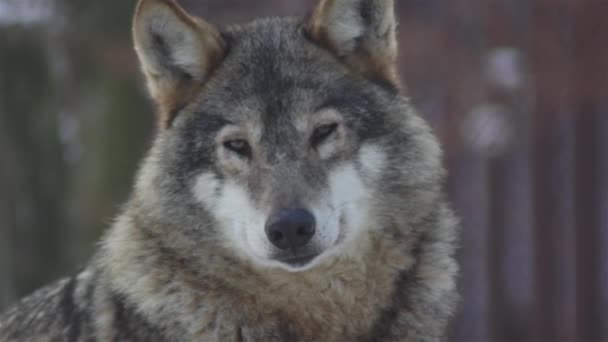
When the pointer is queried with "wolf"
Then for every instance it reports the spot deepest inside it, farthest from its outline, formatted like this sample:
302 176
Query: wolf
291 193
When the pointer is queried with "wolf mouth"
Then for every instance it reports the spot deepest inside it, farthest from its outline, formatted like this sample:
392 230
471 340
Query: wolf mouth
298 261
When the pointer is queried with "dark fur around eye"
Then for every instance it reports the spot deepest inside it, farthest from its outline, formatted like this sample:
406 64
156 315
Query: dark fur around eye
321 133
239 146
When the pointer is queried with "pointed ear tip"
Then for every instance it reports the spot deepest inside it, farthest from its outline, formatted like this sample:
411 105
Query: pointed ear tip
147 9
146 5
152 2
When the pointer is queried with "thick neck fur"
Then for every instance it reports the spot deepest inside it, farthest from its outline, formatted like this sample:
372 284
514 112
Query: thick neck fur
225 299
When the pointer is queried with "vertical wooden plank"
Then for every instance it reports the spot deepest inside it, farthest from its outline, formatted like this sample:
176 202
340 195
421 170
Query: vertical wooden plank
602 186
421 58
587 221
517 264
469 192
511 245
553 172
555 233
458 67
591 79
511 232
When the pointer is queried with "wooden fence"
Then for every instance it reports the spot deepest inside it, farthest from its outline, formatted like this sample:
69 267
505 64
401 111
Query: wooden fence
517 90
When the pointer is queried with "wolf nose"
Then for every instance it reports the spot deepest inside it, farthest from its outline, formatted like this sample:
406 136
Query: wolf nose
290 228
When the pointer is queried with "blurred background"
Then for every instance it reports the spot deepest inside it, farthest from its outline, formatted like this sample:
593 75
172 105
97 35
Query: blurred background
517 91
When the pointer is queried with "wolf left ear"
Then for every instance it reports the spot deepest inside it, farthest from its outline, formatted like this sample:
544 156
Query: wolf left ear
360 32
176 51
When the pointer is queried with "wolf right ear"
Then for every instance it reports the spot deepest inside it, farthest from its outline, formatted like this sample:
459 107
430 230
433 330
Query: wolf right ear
176 50
362 33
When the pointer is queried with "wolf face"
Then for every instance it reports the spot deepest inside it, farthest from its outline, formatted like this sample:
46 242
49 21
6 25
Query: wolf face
289 198
281 141
291 194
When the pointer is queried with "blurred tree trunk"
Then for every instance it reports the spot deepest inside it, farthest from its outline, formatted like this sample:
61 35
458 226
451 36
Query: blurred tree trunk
108 101
6 281
73 126
32 176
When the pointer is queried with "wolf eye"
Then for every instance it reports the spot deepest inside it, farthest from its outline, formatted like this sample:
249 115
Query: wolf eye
239 146
322 132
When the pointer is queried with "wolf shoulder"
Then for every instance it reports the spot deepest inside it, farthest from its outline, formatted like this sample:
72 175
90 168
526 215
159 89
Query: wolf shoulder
77 308
45 315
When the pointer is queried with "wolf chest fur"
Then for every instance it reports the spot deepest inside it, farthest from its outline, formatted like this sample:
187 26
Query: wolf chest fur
291 193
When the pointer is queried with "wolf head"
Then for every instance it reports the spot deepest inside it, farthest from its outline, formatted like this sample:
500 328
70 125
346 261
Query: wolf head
284 142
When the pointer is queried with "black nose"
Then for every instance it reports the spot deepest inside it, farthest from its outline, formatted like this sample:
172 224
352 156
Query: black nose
290 228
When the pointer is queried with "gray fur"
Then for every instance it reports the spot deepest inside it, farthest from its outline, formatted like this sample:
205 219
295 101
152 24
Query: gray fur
165 270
